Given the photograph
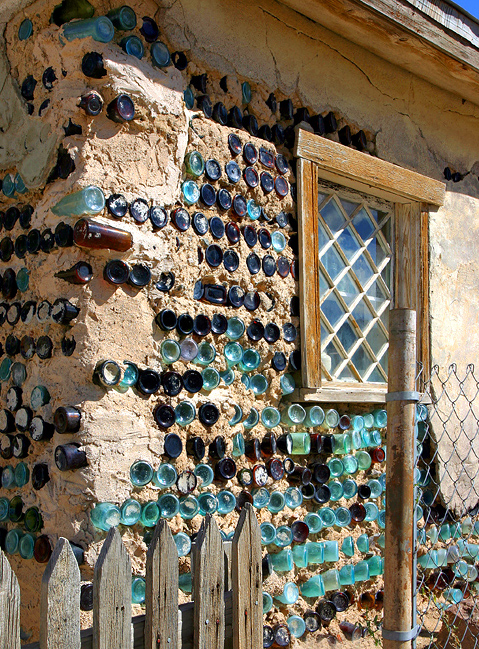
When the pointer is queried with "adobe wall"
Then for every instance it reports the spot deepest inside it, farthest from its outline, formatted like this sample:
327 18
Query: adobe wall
406 121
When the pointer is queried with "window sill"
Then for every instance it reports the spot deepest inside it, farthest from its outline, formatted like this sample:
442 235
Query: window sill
374 393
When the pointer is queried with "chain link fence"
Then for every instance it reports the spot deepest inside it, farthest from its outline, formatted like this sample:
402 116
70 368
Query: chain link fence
447 510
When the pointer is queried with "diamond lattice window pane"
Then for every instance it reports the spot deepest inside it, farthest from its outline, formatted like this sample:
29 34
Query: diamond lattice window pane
348 243
332 309
346 374
355 253
347 336
332 262
333 216
376 376
323 237
376 339
323 283
330 358
362 361
386 275
385 318
377 295
362 314
348 206
363 224
346 288
378 251
363 270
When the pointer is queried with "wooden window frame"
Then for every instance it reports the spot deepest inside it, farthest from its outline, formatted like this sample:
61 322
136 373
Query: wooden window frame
413 196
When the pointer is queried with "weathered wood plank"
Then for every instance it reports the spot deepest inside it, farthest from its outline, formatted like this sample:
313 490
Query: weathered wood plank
351 168
161 625
309 274
9 606
407 243
326 394
424 340
112 595
227 547
208 587
247 582
60 600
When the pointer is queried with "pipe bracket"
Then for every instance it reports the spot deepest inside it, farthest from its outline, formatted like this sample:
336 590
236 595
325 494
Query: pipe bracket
401 636
404 396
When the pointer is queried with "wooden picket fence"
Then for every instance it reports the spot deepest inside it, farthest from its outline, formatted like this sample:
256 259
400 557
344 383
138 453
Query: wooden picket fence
226 608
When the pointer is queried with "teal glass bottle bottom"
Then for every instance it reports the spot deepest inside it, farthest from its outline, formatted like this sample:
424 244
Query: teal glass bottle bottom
296 626
138 590
141 473
188 507
267 603
276 502
314 522
226 502
208 503
261 497
204 473
150 514
169 505
130 512
183 543
268 533
105 515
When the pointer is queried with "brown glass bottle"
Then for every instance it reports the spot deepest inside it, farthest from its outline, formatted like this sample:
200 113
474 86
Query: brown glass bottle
89 234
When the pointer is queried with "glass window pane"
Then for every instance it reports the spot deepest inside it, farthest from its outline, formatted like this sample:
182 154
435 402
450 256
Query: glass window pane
348 243
333 216
384 362
376 376
363 270
332 262
344 320
346 375
361 360
324 334
362 314
349 206
377 215
376 339
323 237
347 336
347 289
378 252
321 198
332 309
363 224
330 358
377 295
385 318
323 284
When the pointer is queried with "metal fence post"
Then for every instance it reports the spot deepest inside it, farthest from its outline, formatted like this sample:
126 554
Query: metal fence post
398 575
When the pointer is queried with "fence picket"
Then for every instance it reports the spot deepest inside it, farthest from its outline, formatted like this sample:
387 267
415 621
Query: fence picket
112 595
161 622
60 600
9 606
208 587
246 575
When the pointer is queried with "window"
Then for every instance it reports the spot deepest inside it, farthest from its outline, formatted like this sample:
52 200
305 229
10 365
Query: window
363 249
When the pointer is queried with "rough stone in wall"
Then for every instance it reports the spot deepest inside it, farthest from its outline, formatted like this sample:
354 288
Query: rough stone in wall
145 159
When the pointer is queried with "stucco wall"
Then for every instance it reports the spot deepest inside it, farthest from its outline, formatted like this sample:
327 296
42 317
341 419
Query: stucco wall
406 120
